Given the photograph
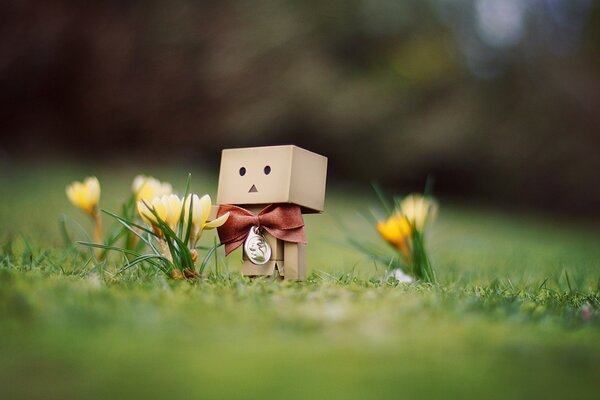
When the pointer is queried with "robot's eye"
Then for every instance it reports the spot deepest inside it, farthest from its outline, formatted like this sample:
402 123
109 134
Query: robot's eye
242 171
267 170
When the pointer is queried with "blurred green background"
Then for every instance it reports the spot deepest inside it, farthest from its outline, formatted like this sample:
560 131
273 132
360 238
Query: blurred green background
497 99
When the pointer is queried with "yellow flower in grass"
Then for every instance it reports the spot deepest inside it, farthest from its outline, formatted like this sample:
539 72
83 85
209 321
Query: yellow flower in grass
418 210
167 207
397 231
201 208
404 231
148 187
414 213
85 195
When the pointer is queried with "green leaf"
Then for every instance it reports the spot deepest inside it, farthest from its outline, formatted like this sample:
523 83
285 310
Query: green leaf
187 191
130 224
147 258
389 207
107 247
188 229
207 258
62 224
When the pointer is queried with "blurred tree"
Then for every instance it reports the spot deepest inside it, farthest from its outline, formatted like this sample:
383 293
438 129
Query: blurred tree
497 98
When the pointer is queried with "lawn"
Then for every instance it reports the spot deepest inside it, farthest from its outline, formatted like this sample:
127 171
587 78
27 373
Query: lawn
515 314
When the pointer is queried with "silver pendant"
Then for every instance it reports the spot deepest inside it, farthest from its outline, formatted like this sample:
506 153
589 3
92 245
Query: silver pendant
256 247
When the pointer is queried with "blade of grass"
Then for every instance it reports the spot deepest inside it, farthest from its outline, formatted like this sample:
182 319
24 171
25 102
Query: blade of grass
389 208
64 232
77 226
207 258
142 259
130 224
107 247
429 183
186 192
189 222
568 281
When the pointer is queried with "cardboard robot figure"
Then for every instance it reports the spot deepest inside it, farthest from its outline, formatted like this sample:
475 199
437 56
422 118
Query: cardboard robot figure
266 190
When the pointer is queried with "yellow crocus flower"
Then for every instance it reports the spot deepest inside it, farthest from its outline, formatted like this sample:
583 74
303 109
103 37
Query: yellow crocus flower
85 195
201 208
397 231
148 187
167 207
418 210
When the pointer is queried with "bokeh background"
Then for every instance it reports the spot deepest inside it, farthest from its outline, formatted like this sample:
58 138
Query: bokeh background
498 100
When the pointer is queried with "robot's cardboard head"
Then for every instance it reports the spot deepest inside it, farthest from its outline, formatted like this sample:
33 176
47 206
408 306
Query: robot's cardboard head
274 174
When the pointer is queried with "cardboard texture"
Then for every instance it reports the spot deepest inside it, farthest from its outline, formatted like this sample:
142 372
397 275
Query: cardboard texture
276 174
292 268
272 268
295 261
255 177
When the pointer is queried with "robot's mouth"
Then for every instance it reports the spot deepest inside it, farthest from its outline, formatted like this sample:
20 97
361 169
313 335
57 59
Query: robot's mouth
253 189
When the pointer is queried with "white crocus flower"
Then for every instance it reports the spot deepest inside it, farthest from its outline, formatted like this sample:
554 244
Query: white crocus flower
148 187
85 195
201 208
418 210
167 208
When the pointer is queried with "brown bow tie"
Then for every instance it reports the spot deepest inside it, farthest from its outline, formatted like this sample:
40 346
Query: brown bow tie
284 221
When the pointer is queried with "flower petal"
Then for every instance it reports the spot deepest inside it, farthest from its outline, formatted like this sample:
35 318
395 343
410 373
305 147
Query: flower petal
215 223
145 213
206 206
137 183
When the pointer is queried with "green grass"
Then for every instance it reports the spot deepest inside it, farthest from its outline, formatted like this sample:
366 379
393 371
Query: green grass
515 314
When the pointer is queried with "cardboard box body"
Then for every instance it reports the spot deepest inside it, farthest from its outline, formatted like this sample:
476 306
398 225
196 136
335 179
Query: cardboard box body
273 174
292 266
